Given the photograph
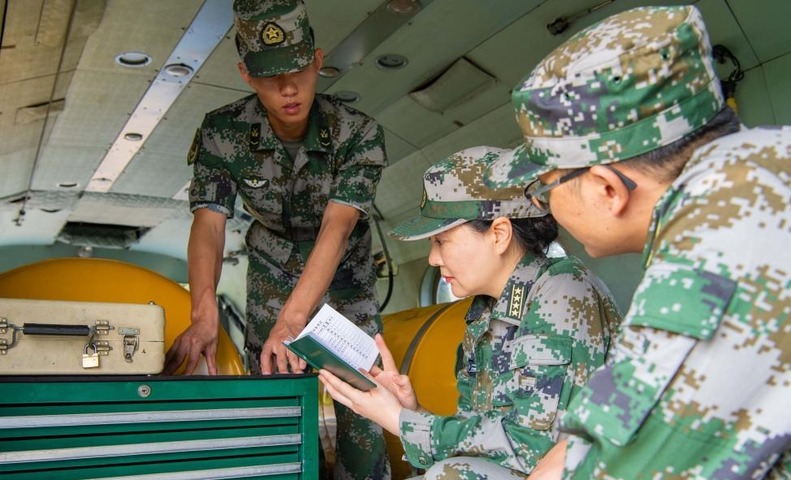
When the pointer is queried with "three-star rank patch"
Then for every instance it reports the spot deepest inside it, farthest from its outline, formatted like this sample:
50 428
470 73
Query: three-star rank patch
272 34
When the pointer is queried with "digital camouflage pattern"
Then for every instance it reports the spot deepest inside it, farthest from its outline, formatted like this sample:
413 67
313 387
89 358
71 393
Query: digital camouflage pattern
469 468
236 152
273 37
698 386
454 192
635 81
524 357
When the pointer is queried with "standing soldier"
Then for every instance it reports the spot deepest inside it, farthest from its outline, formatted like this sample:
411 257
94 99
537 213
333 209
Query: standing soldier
306 168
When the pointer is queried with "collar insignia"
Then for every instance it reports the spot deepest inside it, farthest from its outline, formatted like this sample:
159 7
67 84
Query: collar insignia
324 137
272 34
255 182
255 135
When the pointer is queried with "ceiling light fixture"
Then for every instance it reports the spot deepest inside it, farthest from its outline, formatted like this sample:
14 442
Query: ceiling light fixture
329 72
379 25
347 96
67 184
133 59
178 70
133 137
206 31
403 7
391 61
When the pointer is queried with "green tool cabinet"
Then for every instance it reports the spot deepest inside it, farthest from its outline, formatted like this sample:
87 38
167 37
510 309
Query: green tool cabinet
159 427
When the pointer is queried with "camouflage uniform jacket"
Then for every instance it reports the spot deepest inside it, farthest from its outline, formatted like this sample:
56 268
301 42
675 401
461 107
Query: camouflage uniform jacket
524 356
698 384
236 152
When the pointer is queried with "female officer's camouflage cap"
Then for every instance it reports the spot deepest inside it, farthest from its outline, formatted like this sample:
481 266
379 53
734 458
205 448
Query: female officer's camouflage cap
455 192
273 36
632 83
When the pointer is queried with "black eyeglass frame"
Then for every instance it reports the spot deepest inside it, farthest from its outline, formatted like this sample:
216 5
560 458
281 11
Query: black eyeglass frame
536 196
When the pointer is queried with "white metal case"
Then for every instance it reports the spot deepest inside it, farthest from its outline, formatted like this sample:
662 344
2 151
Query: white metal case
80 338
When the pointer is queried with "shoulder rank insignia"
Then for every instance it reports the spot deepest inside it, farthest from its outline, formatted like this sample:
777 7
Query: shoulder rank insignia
193 153
255 136
272 34
255 182
515 301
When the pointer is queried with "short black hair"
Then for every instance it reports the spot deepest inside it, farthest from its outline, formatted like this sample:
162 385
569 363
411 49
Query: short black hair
666 163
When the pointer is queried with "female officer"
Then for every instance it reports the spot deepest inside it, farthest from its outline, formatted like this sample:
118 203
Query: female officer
537 328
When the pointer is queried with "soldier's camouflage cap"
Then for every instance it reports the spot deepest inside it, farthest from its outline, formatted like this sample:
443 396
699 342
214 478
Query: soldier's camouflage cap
632 83
273 36
455 192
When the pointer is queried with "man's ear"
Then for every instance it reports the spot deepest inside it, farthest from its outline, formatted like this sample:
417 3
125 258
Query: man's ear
502 232
243 72
318 58
614 193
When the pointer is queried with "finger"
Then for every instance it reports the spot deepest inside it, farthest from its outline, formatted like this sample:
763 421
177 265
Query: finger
294 362
401 380
173 359
192 361
341 388
331 380
211 361
375 370
387 358
368 375
282 360
266 360
173 351
329 385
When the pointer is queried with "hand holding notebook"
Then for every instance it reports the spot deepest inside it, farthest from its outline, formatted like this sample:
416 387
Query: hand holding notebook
332 342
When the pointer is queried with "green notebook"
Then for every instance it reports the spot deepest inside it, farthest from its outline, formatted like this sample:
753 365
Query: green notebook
332 342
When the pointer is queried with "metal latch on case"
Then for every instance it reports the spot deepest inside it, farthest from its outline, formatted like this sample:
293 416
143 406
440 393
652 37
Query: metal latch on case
131 341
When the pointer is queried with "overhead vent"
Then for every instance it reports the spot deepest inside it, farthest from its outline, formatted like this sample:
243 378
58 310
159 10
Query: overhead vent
461 82
100 235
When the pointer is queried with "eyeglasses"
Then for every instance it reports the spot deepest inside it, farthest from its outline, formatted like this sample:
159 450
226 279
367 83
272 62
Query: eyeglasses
537 193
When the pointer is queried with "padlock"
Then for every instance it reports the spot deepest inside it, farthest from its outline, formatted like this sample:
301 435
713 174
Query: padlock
90 360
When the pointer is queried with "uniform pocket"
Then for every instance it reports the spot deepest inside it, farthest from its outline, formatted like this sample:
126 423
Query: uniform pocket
619 398
261 198
539 368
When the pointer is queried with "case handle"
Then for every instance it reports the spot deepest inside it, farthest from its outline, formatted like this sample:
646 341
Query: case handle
55 329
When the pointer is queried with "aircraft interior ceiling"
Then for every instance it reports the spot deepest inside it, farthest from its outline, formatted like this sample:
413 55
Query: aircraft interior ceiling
100 100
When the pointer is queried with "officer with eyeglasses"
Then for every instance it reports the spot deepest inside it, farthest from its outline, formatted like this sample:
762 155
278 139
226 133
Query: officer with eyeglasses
628 141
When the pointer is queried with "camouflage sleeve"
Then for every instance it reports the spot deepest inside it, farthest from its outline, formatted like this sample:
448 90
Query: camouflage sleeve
212 186
360 168
421 434
567 317
668 397
696 385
